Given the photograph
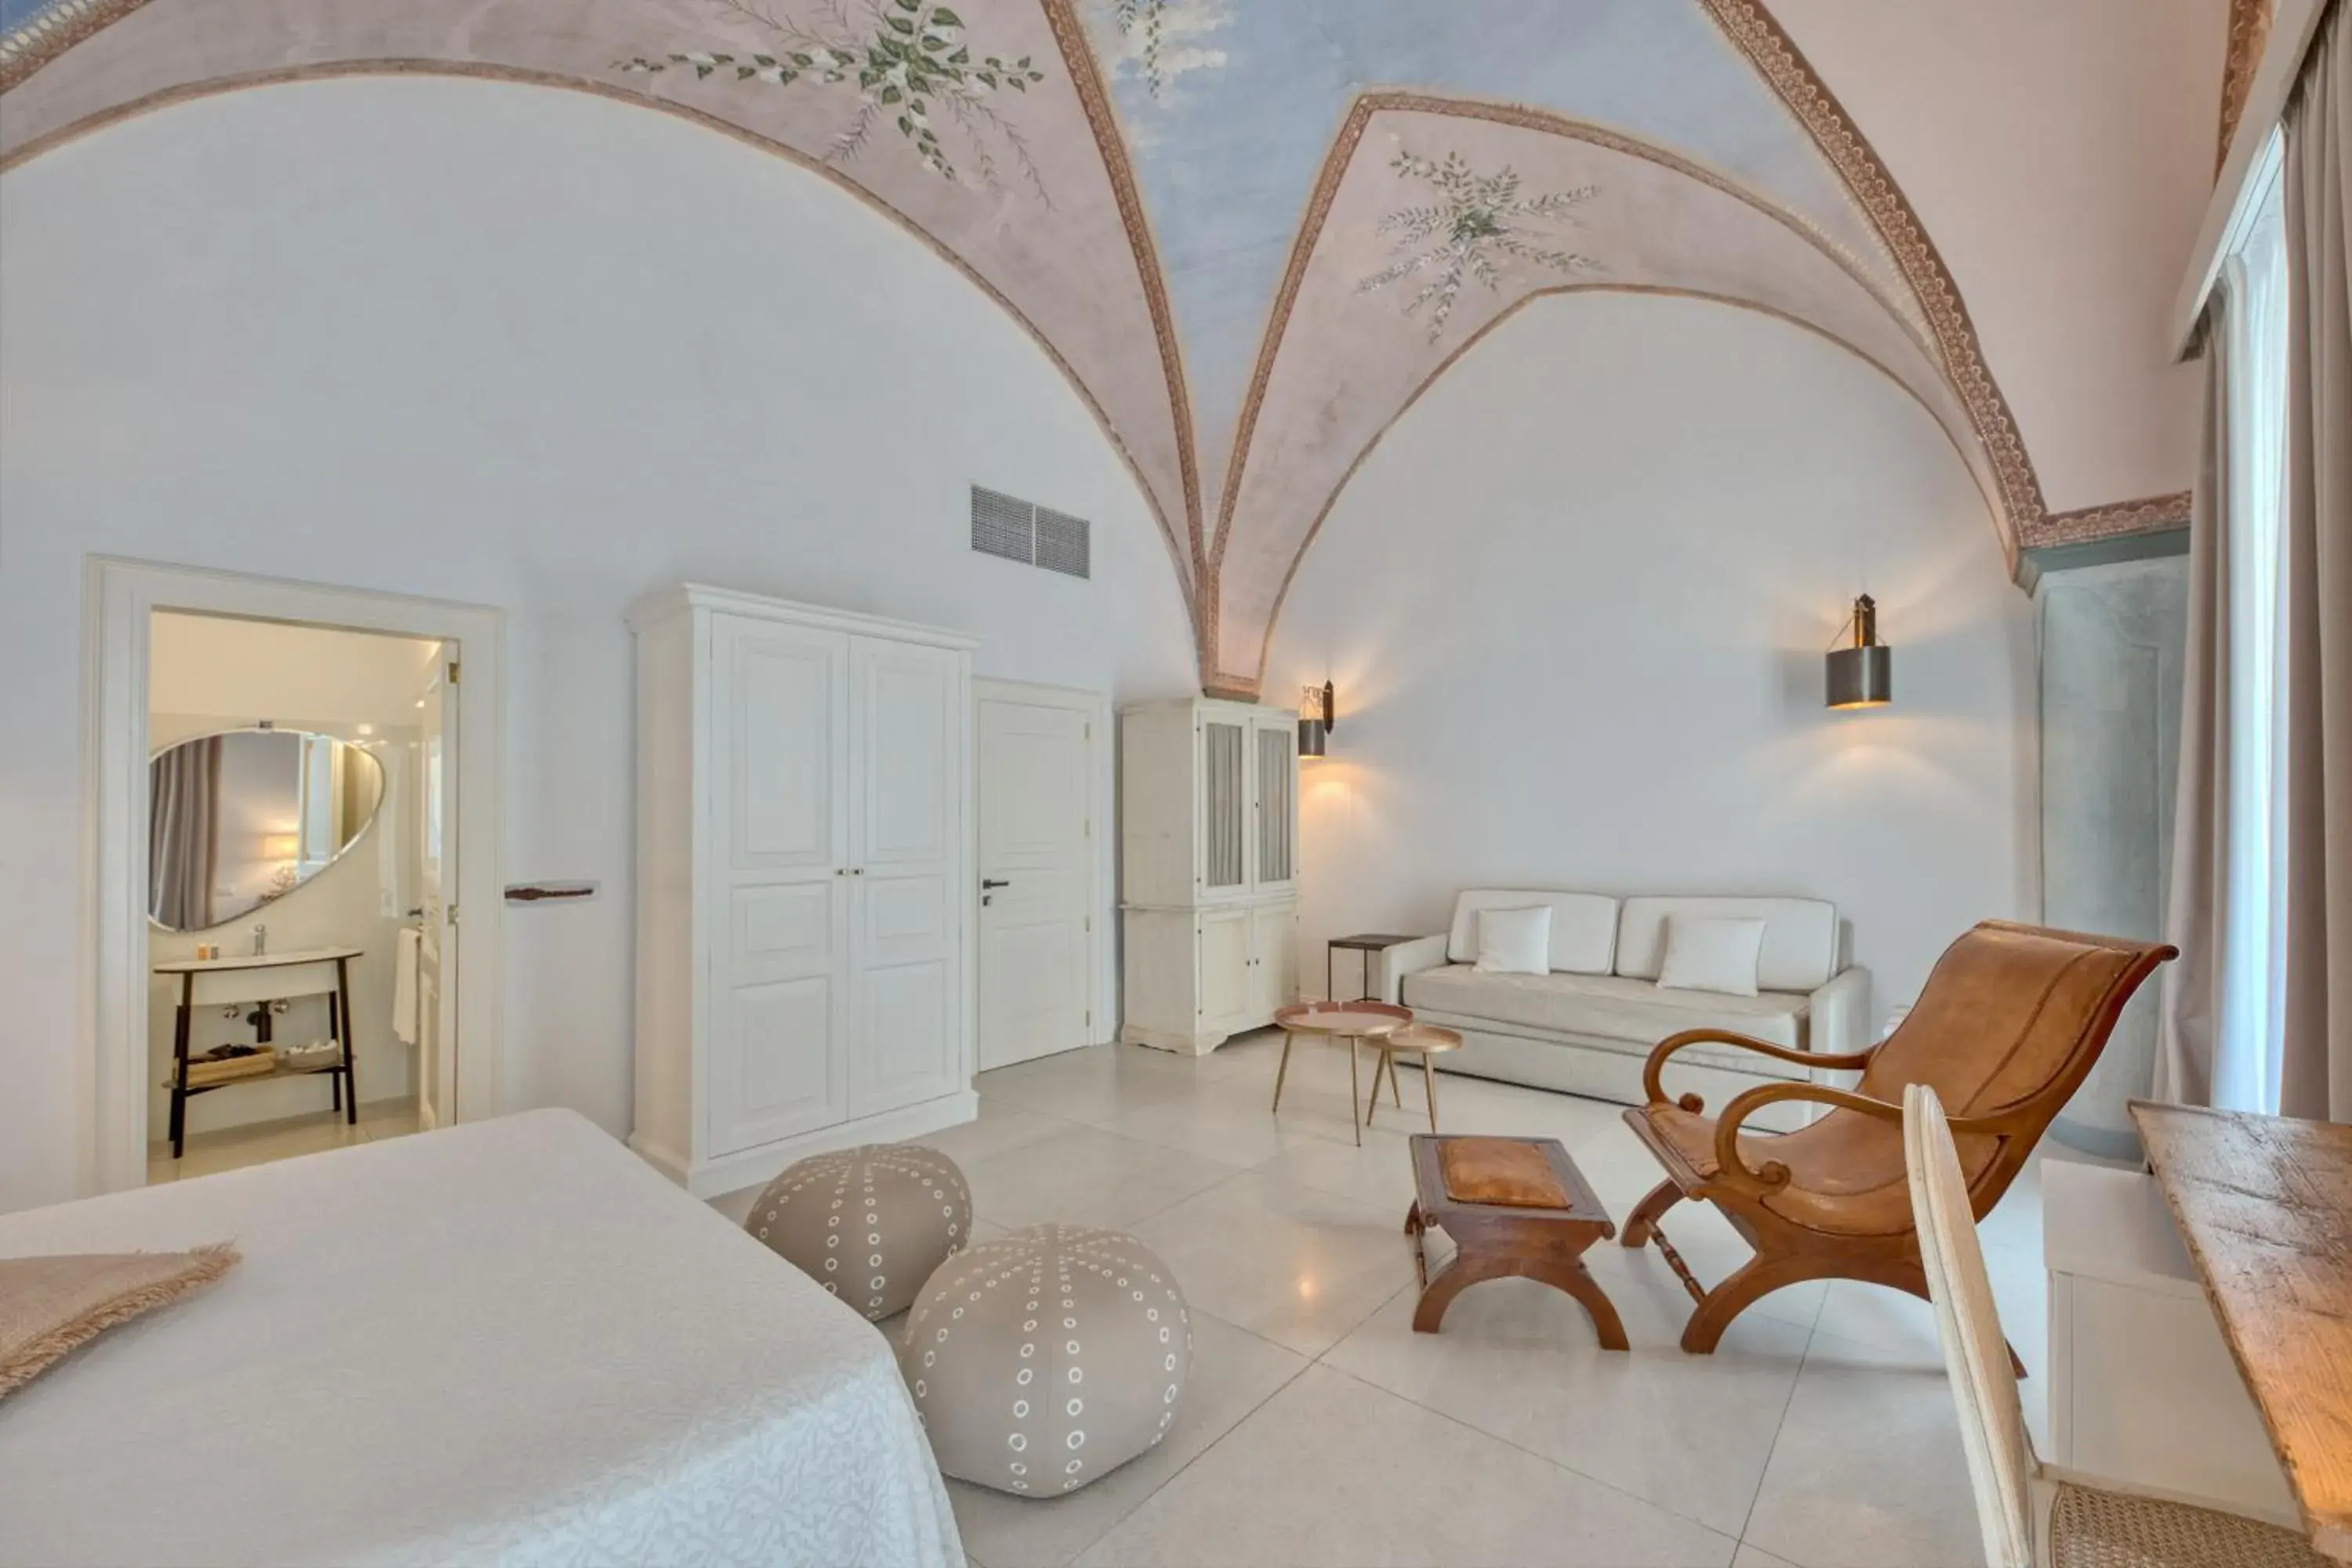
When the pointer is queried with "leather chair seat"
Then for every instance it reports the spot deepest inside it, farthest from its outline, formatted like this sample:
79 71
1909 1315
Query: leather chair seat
1846 1172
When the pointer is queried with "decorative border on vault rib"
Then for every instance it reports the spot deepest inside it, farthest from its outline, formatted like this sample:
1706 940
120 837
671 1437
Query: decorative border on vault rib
55 31
2147 515
1757 36
1085 76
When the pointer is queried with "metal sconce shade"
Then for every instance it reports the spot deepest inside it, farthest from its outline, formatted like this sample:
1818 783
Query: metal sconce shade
1318 717
1861 676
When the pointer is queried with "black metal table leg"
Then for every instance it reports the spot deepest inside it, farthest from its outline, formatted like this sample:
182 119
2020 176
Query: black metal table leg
180 1064
341 1015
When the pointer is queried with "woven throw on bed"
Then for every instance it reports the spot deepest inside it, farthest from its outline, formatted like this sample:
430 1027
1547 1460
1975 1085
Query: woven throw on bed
50 1306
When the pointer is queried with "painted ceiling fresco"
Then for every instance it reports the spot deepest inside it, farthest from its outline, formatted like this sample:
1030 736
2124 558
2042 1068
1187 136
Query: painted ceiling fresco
1251 232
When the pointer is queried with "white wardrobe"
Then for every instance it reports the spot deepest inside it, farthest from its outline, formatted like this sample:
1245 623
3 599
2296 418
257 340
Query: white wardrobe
1208 869
804 866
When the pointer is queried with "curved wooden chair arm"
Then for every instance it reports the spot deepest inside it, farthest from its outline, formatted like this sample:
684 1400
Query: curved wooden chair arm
1652 1070
1773 1175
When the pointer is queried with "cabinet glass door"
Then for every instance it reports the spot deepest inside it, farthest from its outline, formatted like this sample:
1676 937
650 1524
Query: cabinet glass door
1224 804
1277 803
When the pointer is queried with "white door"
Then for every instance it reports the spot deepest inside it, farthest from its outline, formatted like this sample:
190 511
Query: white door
907 826
778 993
436 867
1037 778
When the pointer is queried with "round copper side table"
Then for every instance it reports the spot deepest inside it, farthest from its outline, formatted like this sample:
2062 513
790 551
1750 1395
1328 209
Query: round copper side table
1426 1039
1354 1022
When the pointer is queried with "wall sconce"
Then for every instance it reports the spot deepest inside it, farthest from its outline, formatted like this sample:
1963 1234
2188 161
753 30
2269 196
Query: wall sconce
280 845
1861 674
1318 715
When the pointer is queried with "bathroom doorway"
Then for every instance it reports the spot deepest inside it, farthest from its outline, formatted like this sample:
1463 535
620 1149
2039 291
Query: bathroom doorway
297 801
298 833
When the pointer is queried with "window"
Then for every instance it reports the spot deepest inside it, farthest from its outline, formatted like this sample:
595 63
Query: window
2250 1028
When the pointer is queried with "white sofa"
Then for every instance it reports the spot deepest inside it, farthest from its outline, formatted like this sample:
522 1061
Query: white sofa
1587 1026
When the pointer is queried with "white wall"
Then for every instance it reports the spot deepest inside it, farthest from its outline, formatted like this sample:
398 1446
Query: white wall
519 347
1576 605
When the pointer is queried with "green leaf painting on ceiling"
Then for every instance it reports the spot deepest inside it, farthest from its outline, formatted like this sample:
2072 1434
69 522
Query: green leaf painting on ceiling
902 63
1474 229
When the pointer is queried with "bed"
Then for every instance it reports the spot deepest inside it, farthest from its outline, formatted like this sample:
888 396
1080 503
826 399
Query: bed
507 1341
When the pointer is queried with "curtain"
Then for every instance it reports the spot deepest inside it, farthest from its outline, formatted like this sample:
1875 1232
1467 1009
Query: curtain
183 789
2219 1026
2315 1065
2195 911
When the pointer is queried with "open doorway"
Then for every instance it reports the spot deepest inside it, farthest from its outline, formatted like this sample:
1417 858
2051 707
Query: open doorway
298 833
297 795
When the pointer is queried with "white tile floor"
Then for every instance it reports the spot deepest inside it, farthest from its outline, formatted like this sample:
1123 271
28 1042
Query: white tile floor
1318 1428
261 1142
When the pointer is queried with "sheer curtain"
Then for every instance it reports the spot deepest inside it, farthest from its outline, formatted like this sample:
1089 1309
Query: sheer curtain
2221 1028
183 791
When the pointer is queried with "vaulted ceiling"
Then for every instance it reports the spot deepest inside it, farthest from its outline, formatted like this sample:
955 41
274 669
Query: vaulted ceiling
1250 233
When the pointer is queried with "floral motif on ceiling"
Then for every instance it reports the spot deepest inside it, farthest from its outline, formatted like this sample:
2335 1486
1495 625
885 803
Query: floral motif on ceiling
901 64
1475 227
1128 178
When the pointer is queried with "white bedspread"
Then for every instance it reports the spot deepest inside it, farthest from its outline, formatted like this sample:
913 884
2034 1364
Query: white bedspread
510 1342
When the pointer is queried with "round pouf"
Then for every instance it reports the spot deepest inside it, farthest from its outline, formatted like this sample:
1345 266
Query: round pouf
1048 1358
868 1224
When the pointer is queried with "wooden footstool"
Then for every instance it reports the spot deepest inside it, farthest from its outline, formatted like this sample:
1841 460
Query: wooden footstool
1513 1207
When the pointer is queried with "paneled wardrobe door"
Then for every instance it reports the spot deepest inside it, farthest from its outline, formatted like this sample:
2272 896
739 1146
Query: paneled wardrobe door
1274 956
907 814
776 900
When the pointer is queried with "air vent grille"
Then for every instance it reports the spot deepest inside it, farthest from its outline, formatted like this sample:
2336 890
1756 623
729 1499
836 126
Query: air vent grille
1063 543
1032 534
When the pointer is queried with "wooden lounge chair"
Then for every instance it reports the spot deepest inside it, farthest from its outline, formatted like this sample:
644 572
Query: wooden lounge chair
2008 1026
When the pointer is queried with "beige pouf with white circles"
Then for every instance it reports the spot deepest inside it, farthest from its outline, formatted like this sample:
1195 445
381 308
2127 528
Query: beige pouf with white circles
1048 1358
868 1224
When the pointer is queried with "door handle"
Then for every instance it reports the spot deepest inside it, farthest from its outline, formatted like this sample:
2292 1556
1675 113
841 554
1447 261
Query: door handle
988 883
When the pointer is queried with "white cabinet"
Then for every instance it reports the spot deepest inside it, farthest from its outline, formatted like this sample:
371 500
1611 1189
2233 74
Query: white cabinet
2124 1299
804 973
1209 865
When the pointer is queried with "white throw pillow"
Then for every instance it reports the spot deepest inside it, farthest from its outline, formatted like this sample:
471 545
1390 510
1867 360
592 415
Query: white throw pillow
1515 942
1710 954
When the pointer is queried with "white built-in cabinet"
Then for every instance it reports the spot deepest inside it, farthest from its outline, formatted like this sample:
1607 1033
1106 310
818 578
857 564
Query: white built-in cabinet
1208 869
804 857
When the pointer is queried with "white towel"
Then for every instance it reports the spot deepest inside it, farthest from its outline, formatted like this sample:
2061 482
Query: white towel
406 952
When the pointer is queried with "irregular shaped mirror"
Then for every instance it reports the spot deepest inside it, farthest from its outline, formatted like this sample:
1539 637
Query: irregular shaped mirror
237 819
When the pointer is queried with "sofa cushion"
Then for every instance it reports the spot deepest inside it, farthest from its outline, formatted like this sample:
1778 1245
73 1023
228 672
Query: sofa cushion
1609 1006
1584 926
1515 942
1709 952
1799 952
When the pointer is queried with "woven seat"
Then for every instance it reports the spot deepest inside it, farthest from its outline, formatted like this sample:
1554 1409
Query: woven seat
2090 1527
2094 1529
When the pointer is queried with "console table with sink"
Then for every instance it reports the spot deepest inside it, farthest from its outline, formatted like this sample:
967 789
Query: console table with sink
263 977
